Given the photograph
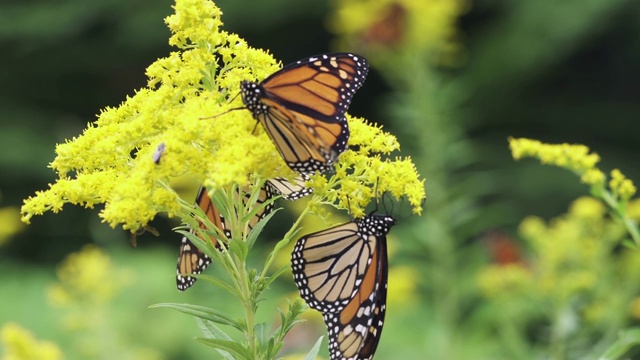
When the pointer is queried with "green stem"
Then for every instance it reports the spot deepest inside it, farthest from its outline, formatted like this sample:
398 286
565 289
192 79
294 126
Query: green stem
286 237
631 225
249 306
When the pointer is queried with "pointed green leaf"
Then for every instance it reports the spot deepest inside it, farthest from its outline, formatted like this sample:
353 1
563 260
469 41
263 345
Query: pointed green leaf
311 355
219 283
627 339
238 351
257 229
239 248
210 330
275 275
262 334
203 313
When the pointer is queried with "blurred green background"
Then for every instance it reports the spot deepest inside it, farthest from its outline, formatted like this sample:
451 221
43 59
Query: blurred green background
555 71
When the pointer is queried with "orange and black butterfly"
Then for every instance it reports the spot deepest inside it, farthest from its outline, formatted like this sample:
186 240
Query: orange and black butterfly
342 272
302 107
192 260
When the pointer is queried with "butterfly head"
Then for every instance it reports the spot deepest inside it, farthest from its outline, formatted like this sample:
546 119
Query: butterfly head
375 224
251 94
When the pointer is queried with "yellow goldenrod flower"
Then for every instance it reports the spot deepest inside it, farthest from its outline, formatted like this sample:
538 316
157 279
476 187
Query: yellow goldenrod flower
19 344
573 157
9 223
621 186
112 162
633 209
572 262
86 276
593 177
578 159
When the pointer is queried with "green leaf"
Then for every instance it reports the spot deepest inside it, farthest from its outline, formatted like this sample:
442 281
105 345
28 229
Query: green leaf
280 245
272 349
237 350
209 329
275 275
627 339
262 333
219 283
630 244
289 319
222 202
311 355
203 312
257 229
239 248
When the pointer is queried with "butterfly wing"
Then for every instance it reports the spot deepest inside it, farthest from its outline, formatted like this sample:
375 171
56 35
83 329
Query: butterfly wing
342 272
329 265
354 332
293 142
192 260
320 87
290 190
266 193
302 107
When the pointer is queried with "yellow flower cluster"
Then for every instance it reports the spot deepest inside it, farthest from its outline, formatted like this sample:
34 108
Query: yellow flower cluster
425 25
19 344
572 258
115 161
573 157
505 280
87 276
578 159
9 223
364 174
621 186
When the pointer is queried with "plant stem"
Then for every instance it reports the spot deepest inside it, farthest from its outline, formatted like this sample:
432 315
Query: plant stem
631 225
286 237
249 306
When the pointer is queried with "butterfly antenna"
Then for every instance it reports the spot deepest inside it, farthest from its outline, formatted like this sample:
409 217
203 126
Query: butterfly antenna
226 112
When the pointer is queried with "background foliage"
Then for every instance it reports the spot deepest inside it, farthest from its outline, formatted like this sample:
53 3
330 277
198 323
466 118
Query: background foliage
558 72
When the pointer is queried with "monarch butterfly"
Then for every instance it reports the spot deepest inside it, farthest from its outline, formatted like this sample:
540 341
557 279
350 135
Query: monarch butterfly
192 260
342 272
302 107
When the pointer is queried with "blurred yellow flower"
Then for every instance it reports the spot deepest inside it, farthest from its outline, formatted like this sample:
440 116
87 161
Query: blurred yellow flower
578 159
87 277
501 280
573 157
633 209
587 208
9 223
572 265
403 284
376 25
621 186
635 308
19 344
